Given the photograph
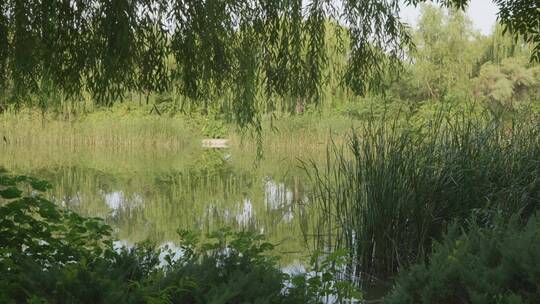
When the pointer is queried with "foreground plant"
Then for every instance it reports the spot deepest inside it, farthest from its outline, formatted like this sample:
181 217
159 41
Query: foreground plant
50 255
496 264
394 189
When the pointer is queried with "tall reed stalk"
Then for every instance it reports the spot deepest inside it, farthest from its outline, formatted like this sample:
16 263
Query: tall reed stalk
392 190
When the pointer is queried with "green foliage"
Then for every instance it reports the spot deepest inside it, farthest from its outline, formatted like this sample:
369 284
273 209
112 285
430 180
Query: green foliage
447 49
393 188
50 255
520 17
249 58
495 264
326 281
255 53
227 267
37 237
212 125
503 87
501 45
203 49
453 61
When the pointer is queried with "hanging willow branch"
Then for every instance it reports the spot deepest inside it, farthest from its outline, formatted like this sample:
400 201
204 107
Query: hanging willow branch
522 17
205 49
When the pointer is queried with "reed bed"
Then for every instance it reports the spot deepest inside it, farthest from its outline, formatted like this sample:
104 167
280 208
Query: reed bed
112 131
121 130
392 190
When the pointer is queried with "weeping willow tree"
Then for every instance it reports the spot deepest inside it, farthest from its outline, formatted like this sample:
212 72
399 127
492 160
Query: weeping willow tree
248 52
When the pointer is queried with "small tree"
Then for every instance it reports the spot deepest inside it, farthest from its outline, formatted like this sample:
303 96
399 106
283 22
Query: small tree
504 86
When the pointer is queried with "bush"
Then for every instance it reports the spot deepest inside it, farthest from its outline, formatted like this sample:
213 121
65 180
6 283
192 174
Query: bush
498 264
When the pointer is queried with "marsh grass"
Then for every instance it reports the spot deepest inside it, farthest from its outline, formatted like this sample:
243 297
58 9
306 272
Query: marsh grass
131 128
392 189
111 130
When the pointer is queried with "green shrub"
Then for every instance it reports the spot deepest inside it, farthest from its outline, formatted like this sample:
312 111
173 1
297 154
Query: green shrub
499 264
326 281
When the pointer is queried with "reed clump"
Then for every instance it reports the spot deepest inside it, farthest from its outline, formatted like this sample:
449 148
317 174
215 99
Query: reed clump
392 189
112 130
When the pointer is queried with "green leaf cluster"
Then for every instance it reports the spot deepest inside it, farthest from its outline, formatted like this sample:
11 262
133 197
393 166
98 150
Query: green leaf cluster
503 87
326 282
204 50
487 264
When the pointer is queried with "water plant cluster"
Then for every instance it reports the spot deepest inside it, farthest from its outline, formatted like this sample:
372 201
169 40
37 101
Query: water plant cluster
392 191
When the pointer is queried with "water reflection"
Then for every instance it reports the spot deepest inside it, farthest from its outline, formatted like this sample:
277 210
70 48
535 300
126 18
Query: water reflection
203 191
244 216
117 201
278 198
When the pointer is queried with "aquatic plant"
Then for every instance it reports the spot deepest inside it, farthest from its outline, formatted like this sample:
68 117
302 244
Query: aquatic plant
393 189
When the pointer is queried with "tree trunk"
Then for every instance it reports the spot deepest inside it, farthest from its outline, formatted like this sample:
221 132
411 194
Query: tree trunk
299 105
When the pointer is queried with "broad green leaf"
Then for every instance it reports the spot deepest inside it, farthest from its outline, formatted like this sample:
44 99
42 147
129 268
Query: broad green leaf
10 193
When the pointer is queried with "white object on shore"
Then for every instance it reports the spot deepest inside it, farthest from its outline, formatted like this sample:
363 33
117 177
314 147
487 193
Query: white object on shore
216 143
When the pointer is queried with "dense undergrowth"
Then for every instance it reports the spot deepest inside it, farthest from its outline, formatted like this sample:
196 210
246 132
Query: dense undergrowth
394 188
496 263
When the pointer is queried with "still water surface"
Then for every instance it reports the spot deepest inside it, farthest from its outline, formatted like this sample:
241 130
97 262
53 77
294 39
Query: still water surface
146 194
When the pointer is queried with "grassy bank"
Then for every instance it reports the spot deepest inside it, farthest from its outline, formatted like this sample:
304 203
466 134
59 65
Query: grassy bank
114 129
109 139
129 127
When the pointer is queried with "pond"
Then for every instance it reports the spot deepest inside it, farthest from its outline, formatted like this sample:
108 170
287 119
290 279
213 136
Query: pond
148 194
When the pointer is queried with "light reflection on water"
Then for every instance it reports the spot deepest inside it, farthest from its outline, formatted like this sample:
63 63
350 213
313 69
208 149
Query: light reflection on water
149 200
144 196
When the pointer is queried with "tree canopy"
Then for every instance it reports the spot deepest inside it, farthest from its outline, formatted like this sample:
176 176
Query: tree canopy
206 50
